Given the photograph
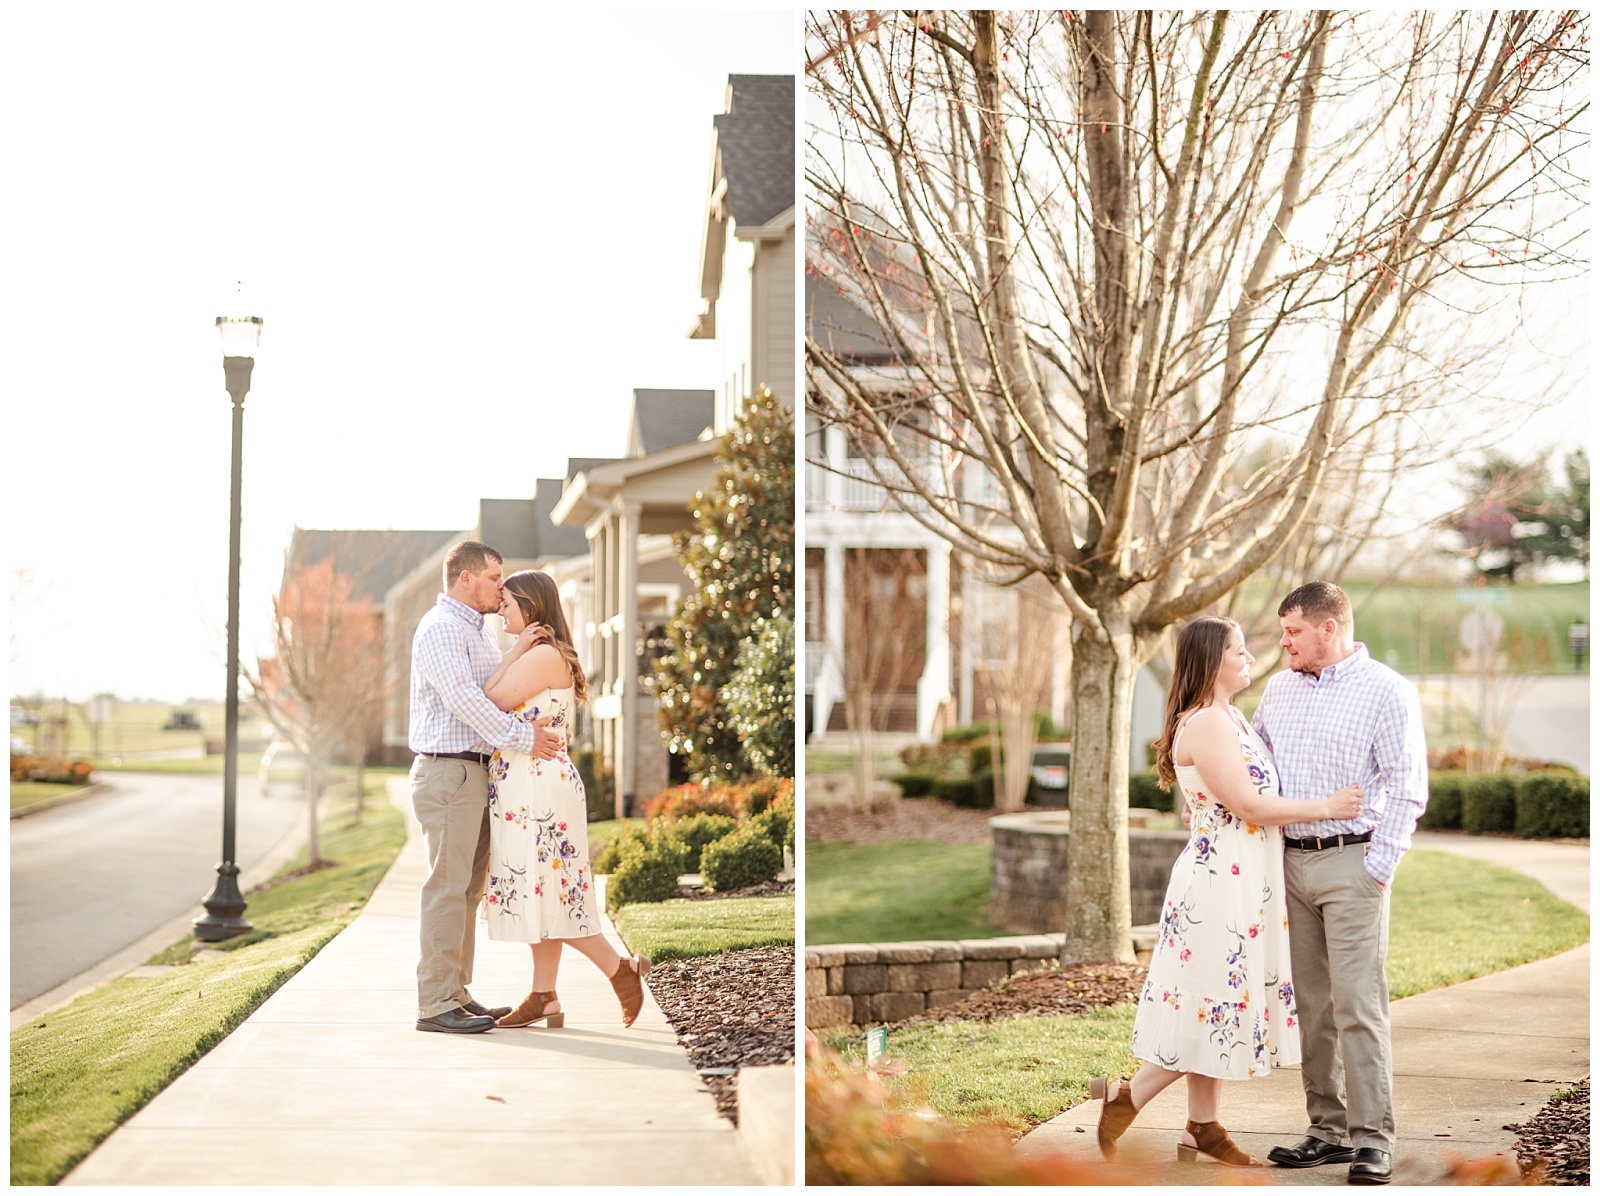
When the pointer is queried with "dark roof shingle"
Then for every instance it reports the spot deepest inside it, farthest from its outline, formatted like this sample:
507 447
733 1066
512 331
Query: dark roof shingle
755 139
665 418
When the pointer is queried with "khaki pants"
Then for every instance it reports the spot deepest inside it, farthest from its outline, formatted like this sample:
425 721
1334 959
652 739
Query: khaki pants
451 800
1338 940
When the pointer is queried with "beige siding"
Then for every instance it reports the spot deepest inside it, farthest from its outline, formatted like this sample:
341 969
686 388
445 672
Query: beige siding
772 324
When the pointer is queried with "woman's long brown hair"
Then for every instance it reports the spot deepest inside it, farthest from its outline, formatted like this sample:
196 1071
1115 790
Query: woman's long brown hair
1200 647
540 602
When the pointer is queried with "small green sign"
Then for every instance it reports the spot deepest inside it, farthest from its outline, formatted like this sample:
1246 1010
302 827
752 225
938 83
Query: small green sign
877 1045
1478 594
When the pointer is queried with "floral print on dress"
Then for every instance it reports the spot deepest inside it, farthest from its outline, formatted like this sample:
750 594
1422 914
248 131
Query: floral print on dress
540 883
1219 996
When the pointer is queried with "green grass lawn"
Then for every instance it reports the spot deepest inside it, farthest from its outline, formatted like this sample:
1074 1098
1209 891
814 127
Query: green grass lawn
79 1072
1452 918
879 893
29 793
601 832
684 929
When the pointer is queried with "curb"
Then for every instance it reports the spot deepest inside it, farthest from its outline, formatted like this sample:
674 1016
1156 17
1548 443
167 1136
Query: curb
766 1121
116 966
65 799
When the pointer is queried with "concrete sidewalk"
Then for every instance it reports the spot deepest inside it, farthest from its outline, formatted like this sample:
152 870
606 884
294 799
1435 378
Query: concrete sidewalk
1468 1060
328 1082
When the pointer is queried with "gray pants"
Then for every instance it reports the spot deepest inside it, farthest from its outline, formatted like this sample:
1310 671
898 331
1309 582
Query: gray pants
451 800
1338 940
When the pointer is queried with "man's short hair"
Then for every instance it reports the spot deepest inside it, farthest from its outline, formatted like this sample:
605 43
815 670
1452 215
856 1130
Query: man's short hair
1318 601
470 555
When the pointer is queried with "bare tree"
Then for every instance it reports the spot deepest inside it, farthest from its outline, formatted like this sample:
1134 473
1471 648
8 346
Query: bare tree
884 627
322 684
1017 664
1115 251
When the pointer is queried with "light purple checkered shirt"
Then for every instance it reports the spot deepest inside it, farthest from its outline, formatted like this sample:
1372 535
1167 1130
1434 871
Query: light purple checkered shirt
1359 723
452 655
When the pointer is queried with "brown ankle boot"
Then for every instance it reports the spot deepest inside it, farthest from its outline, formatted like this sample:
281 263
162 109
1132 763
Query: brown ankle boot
532 1010
625 982
1212 1139
1116 1115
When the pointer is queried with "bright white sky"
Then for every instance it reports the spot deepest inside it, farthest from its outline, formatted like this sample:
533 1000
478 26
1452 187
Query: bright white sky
471 233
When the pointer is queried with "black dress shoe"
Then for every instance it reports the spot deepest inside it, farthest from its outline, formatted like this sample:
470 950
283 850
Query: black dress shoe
477 1010
1311 1151
1372 1166
455 1021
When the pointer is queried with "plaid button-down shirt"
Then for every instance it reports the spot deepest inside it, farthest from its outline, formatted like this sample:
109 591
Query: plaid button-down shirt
1359 723
452 655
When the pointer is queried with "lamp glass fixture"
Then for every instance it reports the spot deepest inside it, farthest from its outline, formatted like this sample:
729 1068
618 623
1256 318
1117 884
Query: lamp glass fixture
240 335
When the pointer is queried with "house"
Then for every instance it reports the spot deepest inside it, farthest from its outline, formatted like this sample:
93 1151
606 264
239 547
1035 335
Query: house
604 530
747 259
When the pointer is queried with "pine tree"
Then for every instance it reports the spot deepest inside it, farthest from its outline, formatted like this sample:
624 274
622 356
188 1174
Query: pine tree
741 560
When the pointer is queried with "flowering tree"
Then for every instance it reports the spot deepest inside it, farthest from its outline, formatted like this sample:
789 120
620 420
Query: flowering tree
1115 252
321 686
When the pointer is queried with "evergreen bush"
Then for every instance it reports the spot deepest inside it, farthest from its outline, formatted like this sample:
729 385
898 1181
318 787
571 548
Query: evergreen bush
746 857
915 784
1145 791
610 855
1552 805
1444 801
698 830
646 871
1488 803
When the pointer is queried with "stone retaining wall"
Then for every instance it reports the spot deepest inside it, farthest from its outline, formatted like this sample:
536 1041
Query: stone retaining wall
865 983
1028 874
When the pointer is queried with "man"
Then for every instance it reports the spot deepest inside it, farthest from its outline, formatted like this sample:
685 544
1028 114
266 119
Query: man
454 728
1338 717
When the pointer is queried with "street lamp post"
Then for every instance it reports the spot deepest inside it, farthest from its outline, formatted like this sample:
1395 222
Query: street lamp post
224 916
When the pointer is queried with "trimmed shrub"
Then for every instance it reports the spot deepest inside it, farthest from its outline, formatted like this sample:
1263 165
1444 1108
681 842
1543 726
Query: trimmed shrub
763 791
915 784
698 830
1145 791
1444 801
646 871
598 791
965 734
955 790
1488 803
1552 805
774 822
980 758
746 857
610 855
935 759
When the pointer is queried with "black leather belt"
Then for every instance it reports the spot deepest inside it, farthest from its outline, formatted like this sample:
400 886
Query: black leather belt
471 757
1324 844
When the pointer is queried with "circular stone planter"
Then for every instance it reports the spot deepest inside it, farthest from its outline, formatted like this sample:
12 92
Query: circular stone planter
1028 874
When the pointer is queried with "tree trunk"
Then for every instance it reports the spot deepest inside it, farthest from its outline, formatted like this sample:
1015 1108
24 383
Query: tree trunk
314 774
1099 923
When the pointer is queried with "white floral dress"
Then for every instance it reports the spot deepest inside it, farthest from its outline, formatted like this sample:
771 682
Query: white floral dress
540 885
1219 999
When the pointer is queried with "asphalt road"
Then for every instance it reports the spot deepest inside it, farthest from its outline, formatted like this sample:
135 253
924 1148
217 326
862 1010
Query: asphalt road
95 876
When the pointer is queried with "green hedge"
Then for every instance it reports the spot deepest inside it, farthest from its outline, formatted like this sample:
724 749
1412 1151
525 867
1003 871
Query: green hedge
1489 803
1145 791
746 857
1553 805
1444 801
699 830
915 784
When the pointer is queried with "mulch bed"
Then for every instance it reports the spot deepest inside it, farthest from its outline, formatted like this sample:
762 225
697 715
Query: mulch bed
731 1010
1075 989
1557 1138
904 818
767 888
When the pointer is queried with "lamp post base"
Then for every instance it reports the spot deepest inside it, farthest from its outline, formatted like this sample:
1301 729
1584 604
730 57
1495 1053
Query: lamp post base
224 908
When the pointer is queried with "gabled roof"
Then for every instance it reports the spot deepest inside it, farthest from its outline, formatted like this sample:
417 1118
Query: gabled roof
373 560
664 418
577 465
555 539
509 526
755 145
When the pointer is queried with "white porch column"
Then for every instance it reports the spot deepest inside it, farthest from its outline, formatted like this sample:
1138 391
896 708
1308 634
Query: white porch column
830 677
627 644
933 687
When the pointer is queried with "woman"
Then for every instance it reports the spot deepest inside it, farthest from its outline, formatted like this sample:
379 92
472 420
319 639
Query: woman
1219 1001
541 889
